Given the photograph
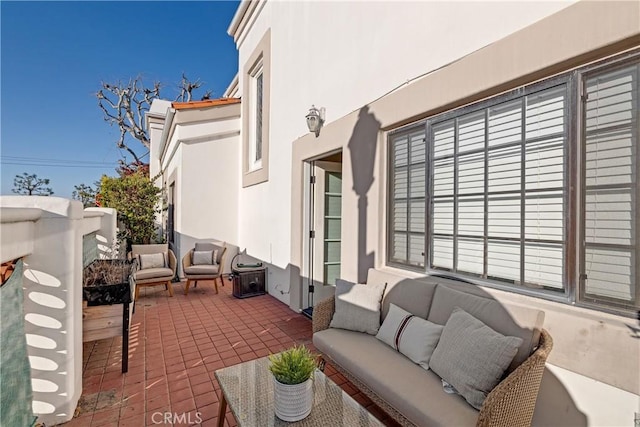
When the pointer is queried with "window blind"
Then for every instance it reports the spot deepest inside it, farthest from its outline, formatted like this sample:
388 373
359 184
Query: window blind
408 212
611 130
497 190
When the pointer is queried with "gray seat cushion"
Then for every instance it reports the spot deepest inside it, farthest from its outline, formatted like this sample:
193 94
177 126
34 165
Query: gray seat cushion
413 391
203 269
521 322
153 273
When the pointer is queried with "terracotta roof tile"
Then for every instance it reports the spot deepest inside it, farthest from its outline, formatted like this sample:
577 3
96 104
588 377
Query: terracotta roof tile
204 104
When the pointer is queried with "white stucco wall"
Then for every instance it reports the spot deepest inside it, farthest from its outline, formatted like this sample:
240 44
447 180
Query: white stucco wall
201 159
209 187
341 56
47 232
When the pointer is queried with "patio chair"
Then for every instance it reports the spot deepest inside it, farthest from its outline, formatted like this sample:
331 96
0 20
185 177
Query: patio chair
204 262
156 265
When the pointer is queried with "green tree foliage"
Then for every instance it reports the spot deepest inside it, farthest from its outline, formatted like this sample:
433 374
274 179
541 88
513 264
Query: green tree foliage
137 201
86 194
31 185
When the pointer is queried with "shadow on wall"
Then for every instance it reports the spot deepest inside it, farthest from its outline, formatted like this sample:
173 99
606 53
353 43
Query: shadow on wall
362 146
555 405
45 305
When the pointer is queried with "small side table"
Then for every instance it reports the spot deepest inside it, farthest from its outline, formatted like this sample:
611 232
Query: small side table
249 281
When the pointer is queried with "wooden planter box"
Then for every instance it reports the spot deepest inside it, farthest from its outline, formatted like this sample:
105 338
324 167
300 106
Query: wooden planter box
107 307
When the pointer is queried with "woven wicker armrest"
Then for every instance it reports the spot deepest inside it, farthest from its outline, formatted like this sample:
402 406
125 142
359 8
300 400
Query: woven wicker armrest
322 314
512 402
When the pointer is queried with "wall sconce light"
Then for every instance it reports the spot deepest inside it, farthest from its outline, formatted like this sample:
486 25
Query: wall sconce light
315 120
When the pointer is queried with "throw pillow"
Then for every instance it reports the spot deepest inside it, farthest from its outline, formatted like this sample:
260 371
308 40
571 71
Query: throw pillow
357 306
203 258
211 247
158 260
412 336
472 357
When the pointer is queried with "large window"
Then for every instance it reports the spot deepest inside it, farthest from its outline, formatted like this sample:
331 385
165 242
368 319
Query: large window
534 190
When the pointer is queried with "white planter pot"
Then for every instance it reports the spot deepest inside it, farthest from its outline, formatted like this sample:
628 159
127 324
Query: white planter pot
293 402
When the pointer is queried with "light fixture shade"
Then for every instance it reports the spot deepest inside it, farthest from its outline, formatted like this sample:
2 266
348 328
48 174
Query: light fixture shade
314 120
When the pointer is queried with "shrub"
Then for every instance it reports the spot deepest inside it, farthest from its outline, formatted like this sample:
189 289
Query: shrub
136 199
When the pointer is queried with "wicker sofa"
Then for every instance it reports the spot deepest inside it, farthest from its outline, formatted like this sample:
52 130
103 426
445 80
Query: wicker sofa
415 396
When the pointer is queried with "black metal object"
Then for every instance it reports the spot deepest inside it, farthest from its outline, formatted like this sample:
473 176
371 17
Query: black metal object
125 337
249 282
308 312
96 291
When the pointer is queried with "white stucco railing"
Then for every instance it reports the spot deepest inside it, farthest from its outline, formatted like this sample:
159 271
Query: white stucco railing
47 232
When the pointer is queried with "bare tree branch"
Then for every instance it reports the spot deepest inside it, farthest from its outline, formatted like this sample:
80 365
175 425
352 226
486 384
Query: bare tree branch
125 106
186 88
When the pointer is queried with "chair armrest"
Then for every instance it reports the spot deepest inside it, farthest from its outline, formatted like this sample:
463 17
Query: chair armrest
173 262
222 258
186 260
512 402
322 314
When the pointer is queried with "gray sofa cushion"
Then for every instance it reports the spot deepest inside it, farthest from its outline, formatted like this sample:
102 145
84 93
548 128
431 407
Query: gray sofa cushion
509 320
149 249
211 247
204 257
146 261
472 357
413 295
158 274
415 392
412 336
357 306
204 269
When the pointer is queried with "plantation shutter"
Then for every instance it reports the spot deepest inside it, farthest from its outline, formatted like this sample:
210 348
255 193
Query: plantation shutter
408 185
611 189
498 191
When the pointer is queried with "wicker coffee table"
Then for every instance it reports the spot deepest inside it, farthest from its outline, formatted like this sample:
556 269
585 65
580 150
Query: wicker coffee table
248 390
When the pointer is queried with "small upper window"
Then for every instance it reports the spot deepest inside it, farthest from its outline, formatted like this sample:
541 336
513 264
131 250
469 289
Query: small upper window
255 120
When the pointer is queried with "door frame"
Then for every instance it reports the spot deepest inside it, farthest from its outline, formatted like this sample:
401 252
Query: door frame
311 214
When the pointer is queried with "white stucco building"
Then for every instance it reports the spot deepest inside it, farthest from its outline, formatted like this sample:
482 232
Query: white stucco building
493 141
194 155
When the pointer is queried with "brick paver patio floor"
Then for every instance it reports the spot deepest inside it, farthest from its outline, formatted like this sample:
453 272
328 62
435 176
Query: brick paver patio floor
176 345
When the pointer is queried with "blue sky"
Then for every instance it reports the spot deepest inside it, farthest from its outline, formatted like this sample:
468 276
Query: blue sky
54 56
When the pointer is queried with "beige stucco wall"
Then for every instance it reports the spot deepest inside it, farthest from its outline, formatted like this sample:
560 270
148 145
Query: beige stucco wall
591 343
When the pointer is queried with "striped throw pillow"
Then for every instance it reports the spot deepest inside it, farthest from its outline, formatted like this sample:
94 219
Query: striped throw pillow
412 336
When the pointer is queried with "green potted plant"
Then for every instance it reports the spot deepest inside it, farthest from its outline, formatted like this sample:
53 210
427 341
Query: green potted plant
292 372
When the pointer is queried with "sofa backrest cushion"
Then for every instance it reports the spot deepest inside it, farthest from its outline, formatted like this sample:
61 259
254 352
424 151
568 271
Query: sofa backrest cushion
412 295
149 249
509 320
